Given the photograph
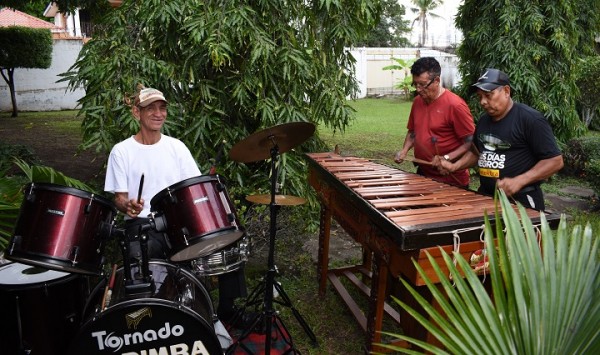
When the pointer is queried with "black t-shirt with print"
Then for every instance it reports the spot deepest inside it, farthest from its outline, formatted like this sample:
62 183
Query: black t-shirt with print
512 145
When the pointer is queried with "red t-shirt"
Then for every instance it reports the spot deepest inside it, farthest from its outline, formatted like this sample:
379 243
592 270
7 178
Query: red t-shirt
440 127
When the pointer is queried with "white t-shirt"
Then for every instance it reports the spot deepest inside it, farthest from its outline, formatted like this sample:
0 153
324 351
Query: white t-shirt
163 164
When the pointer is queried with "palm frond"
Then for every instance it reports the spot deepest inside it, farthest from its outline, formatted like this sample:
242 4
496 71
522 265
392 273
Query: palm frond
544 285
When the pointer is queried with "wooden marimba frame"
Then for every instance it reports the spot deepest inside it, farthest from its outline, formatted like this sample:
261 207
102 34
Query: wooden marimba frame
396 217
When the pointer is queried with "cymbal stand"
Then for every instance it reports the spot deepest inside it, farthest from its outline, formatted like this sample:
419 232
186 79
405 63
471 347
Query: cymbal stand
268 314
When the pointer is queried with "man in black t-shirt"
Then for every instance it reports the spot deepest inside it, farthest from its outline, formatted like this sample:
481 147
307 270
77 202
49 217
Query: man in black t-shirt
515 147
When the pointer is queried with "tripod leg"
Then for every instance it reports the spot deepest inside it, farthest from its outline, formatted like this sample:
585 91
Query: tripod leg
288 303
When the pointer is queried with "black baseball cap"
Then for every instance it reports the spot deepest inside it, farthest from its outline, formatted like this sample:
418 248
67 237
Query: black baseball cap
492 79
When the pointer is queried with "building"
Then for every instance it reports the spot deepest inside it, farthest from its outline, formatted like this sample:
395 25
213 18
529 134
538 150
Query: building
39 89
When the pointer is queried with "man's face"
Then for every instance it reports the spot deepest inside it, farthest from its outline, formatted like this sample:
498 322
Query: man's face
495 102
153 116
426 86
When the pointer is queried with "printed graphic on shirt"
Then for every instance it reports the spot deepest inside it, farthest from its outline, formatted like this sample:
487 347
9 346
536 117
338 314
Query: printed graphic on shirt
490 161
493 143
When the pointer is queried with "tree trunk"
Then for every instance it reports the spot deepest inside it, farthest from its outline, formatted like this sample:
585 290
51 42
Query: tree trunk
9 78
13 95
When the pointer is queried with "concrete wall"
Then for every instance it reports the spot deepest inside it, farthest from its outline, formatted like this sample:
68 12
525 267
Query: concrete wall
377 81
38 90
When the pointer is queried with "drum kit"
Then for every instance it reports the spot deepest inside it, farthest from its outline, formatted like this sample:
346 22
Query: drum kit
150 306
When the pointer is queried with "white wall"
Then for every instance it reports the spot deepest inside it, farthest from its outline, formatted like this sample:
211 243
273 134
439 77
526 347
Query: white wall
38 90
376 81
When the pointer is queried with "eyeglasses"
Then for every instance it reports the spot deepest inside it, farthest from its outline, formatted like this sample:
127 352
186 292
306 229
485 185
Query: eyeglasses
420 86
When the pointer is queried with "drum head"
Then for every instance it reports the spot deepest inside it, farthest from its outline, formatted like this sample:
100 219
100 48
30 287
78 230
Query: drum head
146 326
15 276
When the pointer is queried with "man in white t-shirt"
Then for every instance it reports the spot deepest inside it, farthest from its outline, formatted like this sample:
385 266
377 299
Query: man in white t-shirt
163 161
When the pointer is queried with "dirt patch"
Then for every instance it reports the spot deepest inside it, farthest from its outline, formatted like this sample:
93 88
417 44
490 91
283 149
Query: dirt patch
54 147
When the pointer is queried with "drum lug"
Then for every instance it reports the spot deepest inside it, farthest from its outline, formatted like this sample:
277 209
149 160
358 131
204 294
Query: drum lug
88 208
231 217
172 198
185 233
31 195
74 255
220 186
15 242
159 222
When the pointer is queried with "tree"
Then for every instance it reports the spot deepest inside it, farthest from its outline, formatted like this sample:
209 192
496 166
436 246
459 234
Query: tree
22 47
404 84
229 68
538 44
390 30
587 82
423 10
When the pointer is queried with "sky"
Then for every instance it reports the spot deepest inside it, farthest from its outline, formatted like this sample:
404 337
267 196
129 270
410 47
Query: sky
441 30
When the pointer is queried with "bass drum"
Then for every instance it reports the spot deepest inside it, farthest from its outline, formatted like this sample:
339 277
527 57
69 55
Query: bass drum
173 316
40 309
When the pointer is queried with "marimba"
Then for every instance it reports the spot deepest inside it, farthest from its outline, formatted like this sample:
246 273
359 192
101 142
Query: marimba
396 217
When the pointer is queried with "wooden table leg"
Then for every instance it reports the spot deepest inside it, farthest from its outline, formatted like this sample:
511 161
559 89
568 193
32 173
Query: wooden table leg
376 302
323 254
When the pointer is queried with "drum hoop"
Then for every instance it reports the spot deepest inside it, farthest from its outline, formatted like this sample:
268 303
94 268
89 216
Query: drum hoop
50 282
145 302
102 283
181 184
72 191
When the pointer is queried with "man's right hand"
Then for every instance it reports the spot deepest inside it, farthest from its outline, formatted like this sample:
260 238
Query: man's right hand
399 158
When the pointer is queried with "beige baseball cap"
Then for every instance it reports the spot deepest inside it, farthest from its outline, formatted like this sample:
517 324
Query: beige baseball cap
149 95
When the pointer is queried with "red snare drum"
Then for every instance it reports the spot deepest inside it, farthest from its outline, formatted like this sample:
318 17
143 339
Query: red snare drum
199 216
174 317
41 309
62 228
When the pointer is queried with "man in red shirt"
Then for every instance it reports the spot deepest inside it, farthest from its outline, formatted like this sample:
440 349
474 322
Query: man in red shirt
440 125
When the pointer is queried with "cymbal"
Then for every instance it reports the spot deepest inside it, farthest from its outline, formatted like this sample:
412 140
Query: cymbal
280 200
257 146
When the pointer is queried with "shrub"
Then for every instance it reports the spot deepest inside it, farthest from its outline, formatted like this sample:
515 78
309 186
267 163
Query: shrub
578 154
9 152
593 176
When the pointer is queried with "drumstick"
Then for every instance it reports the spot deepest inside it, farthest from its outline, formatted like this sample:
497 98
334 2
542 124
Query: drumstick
417 160
139 197
109 287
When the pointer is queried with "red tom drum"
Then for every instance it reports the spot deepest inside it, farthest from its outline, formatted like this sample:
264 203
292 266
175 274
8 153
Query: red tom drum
62 228
198 216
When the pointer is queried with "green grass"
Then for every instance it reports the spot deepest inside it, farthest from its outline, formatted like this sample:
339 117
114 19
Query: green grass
59 121
377 133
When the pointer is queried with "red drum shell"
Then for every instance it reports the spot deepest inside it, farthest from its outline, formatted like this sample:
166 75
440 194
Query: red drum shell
47 304
178 309
199 215
62 228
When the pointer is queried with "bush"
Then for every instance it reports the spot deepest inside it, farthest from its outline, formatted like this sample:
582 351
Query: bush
593 176
578 154
9 152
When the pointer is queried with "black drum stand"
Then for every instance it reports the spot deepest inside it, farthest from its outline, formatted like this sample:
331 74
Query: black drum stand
268 319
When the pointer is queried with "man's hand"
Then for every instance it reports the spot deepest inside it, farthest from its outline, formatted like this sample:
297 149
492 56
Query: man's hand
399 158
443 166
134 208
510 186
